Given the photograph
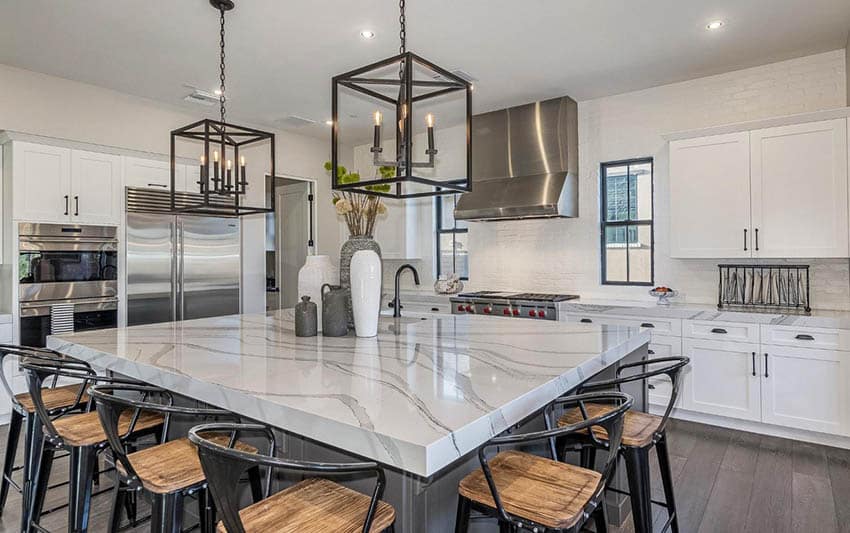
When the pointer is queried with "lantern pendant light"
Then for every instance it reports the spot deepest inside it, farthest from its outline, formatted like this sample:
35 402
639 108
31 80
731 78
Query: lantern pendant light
404 90
223 182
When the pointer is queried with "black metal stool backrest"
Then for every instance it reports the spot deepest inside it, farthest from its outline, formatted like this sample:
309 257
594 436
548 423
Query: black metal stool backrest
140 398
224 465
39 370
672 367
33 354
611 421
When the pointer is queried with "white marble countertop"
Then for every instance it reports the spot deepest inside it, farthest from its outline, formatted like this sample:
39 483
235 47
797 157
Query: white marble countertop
416 397
643 309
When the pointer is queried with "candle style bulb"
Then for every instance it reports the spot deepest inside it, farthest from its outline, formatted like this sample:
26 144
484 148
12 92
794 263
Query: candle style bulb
203 160
378 118
242 161
215 156
229 164
429 119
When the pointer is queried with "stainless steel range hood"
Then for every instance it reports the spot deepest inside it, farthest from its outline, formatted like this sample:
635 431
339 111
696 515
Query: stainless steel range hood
524 163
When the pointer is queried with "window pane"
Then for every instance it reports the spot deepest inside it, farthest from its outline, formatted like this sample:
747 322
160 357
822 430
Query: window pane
616 193
640 254
640 191
454 257
615 254
447 213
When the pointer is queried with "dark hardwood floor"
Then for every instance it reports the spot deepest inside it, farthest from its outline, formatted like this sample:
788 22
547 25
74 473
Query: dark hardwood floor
726 481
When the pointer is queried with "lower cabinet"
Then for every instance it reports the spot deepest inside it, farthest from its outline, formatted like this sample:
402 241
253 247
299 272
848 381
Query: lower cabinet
724 378
660 387
806 388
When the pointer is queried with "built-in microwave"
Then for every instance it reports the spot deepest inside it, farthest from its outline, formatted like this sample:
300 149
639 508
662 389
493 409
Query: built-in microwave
67 279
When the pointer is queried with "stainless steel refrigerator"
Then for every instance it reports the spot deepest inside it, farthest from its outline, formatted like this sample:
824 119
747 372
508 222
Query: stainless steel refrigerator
181 267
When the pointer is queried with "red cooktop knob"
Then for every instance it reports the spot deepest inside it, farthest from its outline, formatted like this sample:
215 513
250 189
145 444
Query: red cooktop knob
532 313
469 309
541 313
487 310
460 307
506 311
516 312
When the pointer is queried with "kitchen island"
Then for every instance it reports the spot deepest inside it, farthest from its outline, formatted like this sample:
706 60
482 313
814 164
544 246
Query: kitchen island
418 398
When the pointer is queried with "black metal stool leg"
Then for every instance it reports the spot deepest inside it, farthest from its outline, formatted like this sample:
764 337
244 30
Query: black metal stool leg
33 452
600 518
637 469
462 519
38 485
255 480
204 512
82 464
9 461
588 457
118 498
667 481
167 513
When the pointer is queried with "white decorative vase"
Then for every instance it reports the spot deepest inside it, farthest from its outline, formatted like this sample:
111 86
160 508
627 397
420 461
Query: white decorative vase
366 292
317 271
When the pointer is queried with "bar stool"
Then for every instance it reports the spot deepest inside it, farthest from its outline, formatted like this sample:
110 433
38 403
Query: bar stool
167 472
58 400
314 505
641 432
528 492
80 434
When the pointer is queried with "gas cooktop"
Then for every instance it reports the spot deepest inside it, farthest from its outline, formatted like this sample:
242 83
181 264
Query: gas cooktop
515 296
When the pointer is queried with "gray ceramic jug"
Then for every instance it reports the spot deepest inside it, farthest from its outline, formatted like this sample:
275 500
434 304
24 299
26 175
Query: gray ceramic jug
334 311
306 321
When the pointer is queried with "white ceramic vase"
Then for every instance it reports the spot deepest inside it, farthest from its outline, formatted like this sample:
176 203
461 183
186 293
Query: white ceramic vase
366 292
317 271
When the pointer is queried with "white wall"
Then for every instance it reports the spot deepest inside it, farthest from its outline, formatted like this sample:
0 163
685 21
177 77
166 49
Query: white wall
50 106
563 255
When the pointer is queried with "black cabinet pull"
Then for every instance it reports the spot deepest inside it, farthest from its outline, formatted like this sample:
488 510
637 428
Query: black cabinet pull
586 321
650 386
76 206
650 352
719 330
804 337
66 205
757 239
157 185
766 373
754 364
647 325
435 309
745 239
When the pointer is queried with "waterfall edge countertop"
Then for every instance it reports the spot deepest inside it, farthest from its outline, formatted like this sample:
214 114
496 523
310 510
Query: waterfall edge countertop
417 397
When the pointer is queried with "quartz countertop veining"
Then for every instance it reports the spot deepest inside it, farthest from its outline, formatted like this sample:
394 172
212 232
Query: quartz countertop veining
417 397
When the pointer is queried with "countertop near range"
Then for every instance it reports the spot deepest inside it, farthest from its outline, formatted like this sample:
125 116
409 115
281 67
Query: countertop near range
639 309
423 393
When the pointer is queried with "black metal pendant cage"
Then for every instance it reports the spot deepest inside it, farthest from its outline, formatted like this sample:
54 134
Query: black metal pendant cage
402 86
223 178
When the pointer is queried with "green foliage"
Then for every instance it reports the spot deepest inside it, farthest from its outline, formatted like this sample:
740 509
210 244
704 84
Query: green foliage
344 177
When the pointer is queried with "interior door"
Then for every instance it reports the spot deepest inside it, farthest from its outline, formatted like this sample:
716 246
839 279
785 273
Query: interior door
724 378
293 224
208 267
799 190
150 269
710 197
95 187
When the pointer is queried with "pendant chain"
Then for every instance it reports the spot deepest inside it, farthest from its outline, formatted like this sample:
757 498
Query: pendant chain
221 97
402 36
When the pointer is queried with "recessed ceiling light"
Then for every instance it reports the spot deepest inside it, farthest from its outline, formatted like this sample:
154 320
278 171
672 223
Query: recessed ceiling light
367 34
714 25
329 122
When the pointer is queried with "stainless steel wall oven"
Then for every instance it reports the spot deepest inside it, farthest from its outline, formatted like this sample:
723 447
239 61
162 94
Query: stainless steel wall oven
67 279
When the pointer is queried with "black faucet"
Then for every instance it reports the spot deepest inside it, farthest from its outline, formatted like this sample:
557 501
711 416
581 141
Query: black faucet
396 302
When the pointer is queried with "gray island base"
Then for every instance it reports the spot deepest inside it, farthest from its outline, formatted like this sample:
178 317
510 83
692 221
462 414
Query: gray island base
419 398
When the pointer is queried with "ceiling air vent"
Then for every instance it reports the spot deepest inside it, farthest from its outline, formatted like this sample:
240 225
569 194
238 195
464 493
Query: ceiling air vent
294 121
201 97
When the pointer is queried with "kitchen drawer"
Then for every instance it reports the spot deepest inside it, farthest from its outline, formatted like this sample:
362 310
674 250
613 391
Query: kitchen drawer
420 307
721 331
660 326
664 346
660 387
828 339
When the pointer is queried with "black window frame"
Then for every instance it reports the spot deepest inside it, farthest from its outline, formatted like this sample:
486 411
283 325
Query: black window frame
605 224
438 227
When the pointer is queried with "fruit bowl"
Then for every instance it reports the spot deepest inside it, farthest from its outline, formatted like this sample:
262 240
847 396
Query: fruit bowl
663 294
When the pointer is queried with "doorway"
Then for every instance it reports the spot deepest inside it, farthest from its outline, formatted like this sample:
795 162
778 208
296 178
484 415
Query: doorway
289 239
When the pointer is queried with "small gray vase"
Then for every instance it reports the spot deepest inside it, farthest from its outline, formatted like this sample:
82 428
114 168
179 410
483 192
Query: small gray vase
306 318
355 243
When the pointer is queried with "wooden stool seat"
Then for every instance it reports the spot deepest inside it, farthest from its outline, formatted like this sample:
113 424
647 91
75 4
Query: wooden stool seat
547 492
638 427
172 466
312 506
54 398
85 429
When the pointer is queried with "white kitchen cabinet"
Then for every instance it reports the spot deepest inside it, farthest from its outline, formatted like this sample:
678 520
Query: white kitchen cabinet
798 176
95 188
710 197
660 387
806 388
41 183
724 378
153 174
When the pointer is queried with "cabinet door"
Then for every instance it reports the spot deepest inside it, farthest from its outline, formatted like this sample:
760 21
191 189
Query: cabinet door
660 387
152 174
799 190
710 197
724 379
41 182
95 188
805 388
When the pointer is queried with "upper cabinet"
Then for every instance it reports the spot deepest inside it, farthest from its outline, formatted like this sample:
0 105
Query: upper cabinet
769 193
710 196
153 174
52 184
799 190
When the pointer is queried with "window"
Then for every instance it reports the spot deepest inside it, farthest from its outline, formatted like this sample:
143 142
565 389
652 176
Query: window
452 251
628 246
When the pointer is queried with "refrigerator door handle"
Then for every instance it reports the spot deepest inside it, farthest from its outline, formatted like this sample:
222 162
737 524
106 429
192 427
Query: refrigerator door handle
179 300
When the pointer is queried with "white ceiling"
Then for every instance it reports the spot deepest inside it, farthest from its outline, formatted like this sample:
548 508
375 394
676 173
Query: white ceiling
282 54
